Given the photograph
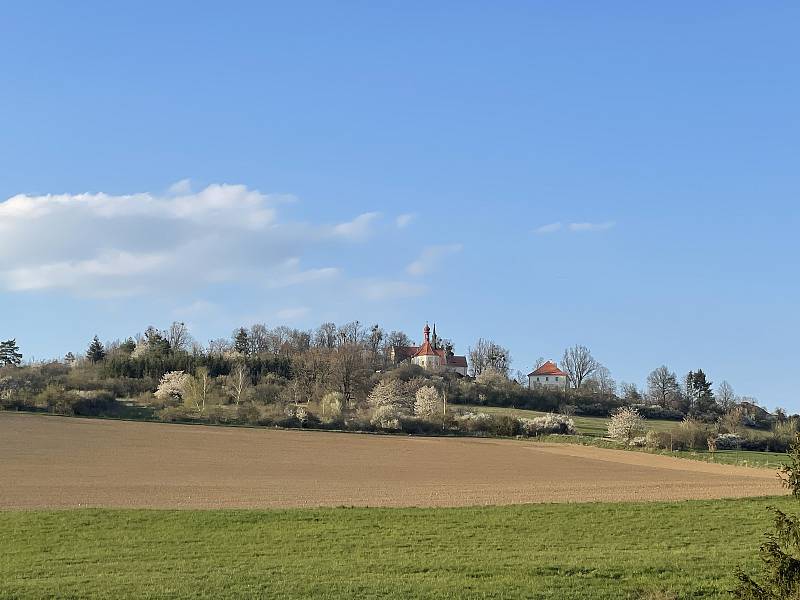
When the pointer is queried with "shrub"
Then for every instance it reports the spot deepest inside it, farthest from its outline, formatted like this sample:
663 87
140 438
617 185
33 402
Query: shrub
728 441
332 405
473 422
174 414
56 399
658 439
248 413
548 424
638 442
505 425
624 424
99 403
692 434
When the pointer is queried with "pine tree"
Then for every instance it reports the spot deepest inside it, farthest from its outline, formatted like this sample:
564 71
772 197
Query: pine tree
9 354
700 393
241 341
96 351
780 552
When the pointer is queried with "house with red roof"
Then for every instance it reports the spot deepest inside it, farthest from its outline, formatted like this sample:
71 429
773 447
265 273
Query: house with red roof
548 375
430 356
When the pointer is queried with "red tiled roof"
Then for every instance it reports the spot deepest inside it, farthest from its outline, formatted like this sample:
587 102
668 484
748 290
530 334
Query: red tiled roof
457 361
426 350
548 368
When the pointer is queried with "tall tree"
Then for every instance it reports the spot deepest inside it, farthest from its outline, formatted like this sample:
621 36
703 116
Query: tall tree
486 355
325 336
259 339
700 394
726 398
241 341
9 354
579 364
663 387
178 336
96 351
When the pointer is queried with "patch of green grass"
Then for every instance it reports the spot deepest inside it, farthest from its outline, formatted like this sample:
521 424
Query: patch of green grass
595 426
581 551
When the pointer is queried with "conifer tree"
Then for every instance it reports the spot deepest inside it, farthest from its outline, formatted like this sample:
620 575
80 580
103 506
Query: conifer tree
241 341
780 552
9 354
96 351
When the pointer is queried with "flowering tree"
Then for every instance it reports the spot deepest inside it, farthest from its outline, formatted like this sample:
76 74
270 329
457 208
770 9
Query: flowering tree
624 424
427 402
389 402
172 386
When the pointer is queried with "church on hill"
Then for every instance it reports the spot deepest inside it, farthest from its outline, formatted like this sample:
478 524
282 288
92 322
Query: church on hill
430 356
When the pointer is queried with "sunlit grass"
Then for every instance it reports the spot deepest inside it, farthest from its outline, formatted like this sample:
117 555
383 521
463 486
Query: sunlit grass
583 551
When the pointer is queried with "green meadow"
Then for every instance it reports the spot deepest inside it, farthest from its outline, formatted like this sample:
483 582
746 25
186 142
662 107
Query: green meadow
585 551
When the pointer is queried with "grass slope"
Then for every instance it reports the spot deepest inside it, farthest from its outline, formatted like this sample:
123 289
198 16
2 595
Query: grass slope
584 551
595 426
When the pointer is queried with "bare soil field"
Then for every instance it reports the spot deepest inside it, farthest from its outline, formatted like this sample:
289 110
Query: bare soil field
58 462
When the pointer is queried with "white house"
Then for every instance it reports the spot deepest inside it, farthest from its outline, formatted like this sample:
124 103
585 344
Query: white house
548 375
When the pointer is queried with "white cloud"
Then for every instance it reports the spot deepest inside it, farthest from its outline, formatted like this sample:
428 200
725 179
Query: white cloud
357 229
404 220
573 227
184 186
431 258
579 227
549 228
103 245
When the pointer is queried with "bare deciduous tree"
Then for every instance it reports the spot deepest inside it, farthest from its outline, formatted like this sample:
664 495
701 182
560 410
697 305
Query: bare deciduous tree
726 398
258 339
325 336
178 336
487 354
238 382
579 364
603 380
662 386
348 370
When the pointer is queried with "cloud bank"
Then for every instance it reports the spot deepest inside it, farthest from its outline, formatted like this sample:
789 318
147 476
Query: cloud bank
103 245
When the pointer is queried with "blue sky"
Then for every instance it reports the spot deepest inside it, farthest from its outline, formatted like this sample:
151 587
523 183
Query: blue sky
620 175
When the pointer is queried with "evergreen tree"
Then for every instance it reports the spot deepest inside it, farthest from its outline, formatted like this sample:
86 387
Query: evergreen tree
780 552
700 394
9 354
241 341
155 341
96 351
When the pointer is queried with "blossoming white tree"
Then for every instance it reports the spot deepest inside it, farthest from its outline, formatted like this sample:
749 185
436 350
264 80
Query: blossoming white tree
172 386
624 424
390 402
427 402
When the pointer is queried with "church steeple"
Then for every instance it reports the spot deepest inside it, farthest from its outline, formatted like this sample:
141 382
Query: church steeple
435 338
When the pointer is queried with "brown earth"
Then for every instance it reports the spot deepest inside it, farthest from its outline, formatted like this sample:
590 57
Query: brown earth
58 462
